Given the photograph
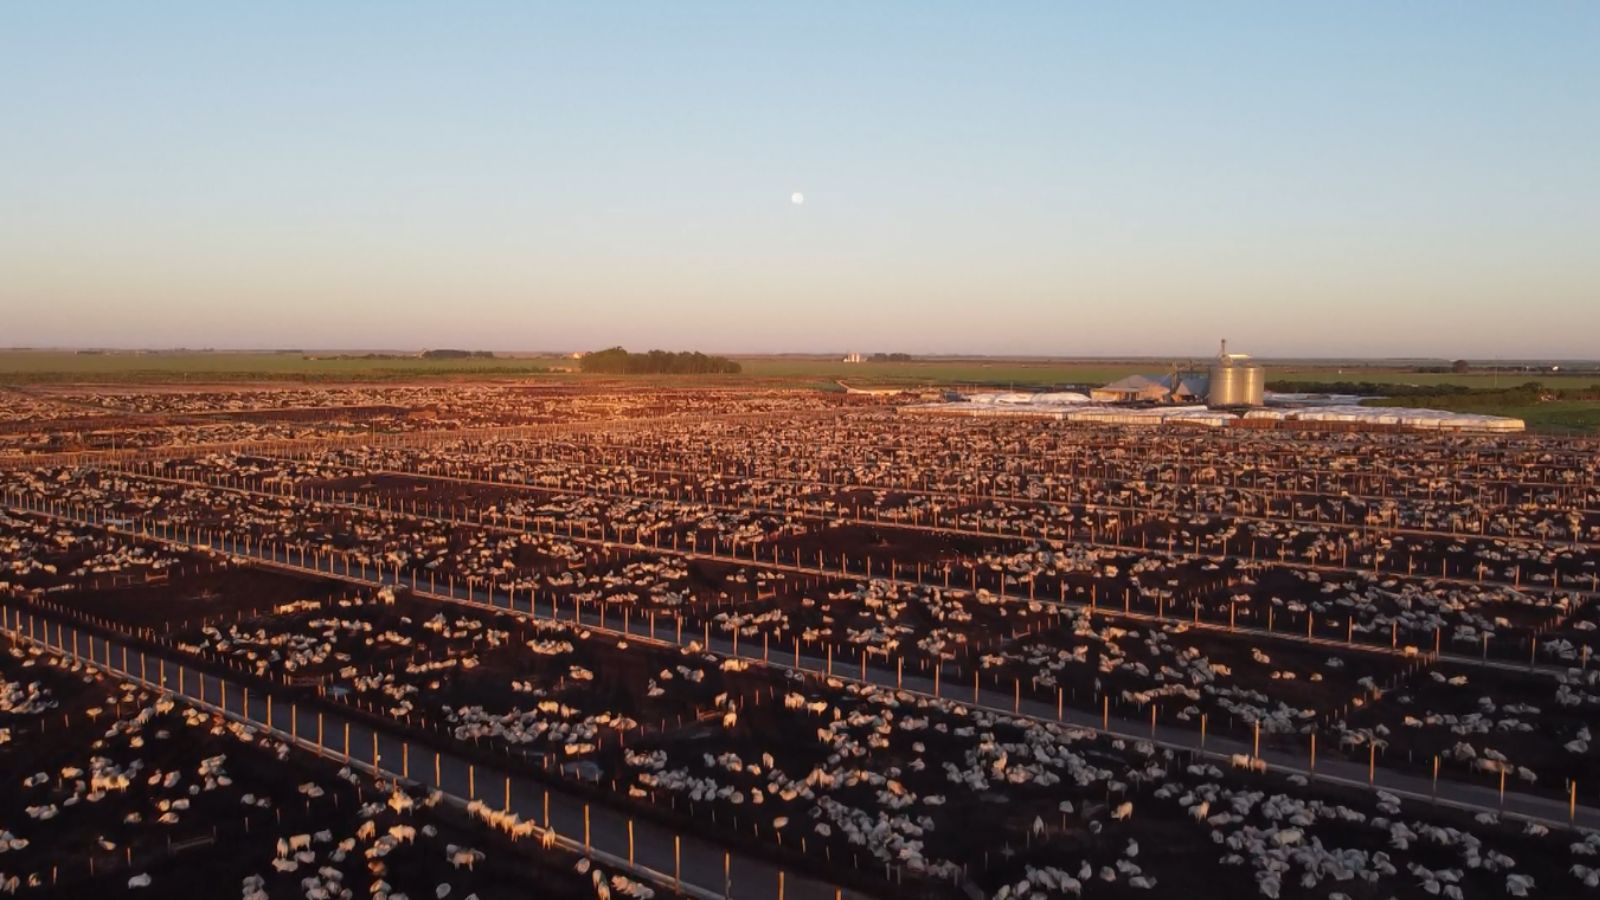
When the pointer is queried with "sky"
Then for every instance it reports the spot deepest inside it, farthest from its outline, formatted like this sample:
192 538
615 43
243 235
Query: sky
1337 179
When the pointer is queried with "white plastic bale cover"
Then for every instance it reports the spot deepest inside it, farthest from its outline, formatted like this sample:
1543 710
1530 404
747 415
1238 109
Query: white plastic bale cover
1061 398
1391 415
1199 416
1210 420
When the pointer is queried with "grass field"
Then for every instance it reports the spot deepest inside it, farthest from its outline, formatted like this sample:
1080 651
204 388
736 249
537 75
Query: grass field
993 373
1569 417
65 366
46 366
1489 380
56 366
1023 374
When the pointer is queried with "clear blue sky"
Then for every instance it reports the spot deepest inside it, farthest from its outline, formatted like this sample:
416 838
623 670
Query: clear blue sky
1305 179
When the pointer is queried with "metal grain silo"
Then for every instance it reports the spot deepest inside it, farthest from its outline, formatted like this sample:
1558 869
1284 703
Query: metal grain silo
1255 384
1235 381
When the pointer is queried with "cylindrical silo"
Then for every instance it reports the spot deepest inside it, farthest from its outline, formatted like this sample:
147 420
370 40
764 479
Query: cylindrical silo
1235 381
1227 385
1255 385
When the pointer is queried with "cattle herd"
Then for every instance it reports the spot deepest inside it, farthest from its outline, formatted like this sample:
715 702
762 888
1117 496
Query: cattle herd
841 648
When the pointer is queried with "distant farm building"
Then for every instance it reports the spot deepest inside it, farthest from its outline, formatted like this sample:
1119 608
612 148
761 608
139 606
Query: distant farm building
1174 388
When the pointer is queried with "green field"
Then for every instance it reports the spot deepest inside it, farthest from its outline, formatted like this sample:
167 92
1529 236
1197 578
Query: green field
67 366
1574 417
21 366
1046 373
993 373
53 366
1480 380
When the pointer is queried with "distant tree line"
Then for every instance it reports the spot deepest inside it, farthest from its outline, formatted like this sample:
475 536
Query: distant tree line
1462 367
617 361
1458 367
457 354
891 357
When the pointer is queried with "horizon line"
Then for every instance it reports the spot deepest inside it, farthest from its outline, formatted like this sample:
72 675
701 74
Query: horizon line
825 353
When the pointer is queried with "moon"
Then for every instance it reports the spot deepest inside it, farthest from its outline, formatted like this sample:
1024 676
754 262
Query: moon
797 198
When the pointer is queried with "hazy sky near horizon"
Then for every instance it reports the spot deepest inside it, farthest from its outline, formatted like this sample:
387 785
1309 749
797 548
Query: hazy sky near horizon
1369 179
